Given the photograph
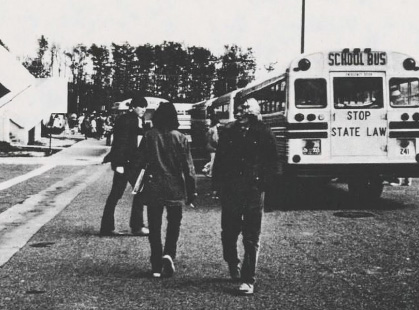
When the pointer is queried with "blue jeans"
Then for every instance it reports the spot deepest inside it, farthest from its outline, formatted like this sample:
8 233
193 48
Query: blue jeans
242 211
174 218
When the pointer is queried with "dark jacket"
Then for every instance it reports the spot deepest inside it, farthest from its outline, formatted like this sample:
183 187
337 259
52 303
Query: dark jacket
245 158
170 172
125 140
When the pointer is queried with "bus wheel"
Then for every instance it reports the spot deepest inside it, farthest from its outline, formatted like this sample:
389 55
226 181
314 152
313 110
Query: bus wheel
365 189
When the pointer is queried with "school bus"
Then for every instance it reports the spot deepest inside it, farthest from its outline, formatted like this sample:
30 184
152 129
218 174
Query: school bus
221 107
351 114
124 106
184 118
121 107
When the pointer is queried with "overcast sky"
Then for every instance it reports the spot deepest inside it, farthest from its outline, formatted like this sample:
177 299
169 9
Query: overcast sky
271 27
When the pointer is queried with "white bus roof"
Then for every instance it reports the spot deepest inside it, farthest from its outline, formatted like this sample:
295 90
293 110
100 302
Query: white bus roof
226 98
153 103
256 85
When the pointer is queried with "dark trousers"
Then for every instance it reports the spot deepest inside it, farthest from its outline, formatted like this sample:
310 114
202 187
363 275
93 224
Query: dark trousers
174 218
241 213
120 181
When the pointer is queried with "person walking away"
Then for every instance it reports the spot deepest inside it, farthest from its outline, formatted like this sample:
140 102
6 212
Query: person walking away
80 122
108 127
101 125
245 162
170 182
122 158
85 127
93 126
212 142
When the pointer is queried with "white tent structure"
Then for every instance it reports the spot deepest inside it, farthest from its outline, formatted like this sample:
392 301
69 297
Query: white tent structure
25 101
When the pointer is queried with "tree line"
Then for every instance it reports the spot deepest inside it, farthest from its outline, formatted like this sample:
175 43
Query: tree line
100 75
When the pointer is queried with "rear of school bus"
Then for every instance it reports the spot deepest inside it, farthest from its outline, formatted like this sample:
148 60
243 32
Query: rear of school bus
353 114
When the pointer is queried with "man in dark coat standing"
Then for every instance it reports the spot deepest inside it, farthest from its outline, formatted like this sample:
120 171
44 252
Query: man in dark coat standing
127 131
244 164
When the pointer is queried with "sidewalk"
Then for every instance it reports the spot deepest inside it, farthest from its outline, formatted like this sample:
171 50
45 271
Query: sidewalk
84 152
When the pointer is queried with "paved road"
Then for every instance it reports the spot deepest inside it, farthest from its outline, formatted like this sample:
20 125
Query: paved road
325 254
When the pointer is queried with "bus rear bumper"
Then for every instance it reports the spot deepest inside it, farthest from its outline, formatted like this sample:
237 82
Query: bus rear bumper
351 170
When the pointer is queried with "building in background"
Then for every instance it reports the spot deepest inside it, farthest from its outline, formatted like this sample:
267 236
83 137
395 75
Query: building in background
26 102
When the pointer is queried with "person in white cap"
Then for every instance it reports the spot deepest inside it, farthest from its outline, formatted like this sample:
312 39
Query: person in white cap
245 162
396 98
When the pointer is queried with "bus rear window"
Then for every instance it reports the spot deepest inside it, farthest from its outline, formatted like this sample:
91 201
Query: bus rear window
404 92
358 92
310 93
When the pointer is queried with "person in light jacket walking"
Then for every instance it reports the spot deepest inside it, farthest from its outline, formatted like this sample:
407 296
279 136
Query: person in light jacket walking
245 163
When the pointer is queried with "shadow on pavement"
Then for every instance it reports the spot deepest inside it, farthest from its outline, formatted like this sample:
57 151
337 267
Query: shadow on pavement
332 197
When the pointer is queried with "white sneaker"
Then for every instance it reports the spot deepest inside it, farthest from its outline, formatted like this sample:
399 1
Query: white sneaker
246 289
168 266
143 231
156 275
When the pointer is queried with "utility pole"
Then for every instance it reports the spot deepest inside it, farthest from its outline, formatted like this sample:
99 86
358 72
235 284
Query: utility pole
302 25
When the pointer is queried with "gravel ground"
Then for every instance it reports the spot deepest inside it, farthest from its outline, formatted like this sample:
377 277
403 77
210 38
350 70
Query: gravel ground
312 257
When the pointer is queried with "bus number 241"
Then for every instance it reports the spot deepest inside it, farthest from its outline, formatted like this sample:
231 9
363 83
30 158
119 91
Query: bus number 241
404 151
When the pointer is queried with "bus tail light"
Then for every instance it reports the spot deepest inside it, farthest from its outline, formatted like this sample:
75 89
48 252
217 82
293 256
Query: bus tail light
311 147
405 117
406 147
296 158
415 116
299 117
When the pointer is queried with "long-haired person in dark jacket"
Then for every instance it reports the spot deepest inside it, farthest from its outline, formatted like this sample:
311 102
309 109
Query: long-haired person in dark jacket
170 182
244 164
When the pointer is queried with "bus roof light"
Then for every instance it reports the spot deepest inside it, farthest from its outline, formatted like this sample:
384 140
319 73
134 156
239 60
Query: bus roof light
367 50
357 50
304 64
410 64
345 50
